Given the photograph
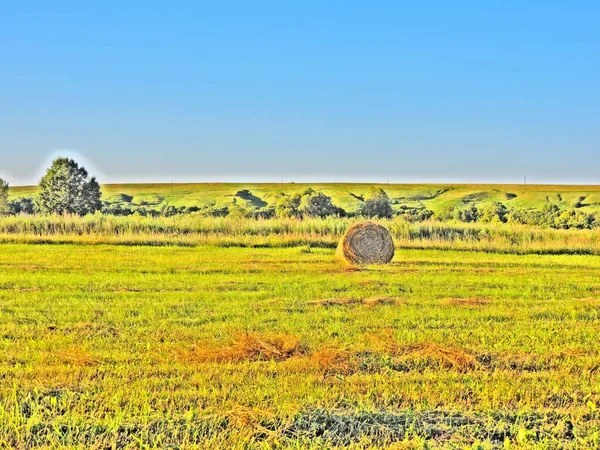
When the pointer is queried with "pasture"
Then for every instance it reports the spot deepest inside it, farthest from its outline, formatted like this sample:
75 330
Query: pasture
220 345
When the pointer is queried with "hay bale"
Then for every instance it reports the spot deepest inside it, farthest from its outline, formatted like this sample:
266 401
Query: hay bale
366 243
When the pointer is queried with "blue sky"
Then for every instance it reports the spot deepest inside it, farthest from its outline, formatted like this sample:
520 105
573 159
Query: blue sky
463 91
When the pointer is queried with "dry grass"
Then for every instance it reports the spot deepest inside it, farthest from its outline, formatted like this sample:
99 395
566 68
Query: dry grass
331 359
444 356
249 346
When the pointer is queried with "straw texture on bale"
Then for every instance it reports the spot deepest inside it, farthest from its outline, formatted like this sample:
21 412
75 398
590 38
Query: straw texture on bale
366 243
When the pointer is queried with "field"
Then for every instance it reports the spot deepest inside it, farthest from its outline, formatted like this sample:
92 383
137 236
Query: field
206 346
197 332
437 198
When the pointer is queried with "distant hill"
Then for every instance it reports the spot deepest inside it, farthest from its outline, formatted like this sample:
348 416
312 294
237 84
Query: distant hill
437 198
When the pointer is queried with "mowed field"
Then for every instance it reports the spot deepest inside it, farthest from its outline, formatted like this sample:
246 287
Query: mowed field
438 198
106 346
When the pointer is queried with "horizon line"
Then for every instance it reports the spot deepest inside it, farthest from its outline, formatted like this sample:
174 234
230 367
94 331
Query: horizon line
378 183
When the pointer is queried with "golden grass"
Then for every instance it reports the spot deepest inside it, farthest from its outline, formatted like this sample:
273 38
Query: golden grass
250 346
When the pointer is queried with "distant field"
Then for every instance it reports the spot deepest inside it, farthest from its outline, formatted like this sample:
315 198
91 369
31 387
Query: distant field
207 347
437 198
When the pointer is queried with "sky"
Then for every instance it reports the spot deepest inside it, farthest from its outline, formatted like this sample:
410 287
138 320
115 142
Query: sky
406 91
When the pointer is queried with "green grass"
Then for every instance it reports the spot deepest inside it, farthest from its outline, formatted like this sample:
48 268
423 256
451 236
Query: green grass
110 346
438 198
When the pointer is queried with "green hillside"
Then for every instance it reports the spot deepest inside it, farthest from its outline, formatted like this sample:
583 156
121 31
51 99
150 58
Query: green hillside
436 197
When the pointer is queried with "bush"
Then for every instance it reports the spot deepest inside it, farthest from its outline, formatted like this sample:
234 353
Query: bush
414 214
376 204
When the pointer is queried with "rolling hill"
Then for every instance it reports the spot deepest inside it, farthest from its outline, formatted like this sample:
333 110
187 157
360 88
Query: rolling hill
436 197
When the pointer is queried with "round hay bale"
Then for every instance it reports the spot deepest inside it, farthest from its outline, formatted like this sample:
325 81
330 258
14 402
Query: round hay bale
366 243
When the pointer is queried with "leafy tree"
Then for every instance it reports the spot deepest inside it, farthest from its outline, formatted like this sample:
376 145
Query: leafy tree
493 212
3 197
67 189
287 206
239 210
21 205
317 204
306 204
468 214
376 204
574 218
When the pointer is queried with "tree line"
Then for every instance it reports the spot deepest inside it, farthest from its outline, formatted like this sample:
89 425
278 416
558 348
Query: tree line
68 188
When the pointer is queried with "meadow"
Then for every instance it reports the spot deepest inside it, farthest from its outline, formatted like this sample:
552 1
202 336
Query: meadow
210 345
196 332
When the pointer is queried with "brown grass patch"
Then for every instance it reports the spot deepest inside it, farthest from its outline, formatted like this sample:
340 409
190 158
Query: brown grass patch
471 301
251 346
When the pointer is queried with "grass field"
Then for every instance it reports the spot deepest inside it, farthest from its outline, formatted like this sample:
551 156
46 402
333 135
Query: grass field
438 198
113 346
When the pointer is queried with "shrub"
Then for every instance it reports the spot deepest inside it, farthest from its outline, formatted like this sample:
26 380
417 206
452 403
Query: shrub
414 214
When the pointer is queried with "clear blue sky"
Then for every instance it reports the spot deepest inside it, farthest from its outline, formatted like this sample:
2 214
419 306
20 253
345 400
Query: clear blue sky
203 91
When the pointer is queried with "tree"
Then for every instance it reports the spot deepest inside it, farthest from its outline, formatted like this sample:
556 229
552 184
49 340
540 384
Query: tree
469 213
317 204
493 212
287 206
67 189
376 204
21 205
3 197
309 203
